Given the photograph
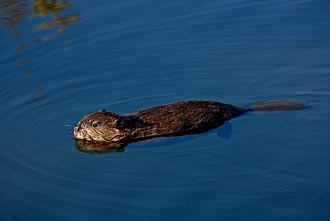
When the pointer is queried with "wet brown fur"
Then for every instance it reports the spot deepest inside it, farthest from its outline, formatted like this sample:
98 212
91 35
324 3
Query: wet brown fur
181 118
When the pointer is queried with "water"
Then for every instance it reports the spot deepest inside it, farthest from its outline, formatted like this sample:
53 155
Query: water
127 55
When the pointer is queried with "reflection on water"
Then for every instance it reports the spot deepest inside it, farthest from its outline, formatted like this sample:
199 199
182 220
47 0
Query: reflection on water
29 72
99 148
60 21
14 12
44 7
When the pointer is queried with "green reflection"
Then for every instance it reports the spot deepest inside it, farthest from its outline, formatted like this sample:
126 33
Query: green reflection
15 12
60 21
55 15
44 7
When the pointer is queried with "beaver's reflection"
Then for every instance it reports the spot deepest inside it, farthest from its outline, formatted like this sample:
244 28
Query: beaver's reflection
99 148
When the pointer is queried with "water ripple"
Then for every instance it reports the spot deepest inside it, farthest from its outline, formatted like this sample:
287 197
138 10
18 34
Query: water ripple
126 56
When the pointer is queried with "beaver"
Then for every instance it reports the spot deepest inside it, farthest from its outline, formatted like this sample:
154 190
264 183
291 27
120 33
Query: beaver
104 129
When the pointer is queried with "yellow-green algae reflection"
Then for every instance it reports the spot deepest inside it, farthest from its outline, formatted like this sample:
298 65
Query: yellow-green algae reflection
14 12
55 15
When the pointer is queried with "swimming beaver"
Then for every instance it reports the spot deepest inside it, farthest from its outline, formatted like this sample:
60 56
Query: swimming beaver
107 129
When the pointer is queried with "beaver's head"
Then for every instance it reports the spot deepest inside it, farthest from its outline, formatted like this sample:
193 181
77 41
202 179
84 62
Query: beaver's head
102 126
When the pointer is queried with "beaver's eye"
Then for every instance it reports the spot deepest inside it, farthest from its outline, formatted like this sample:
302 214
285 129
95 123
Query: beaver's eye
95 124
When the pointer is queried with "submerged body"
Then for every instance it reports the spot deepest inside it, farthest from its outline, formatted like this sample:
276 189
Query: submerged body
180 118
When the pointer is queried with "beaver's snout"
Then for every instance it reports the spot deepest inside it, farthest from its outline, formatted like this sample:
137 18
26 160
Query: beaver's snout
77 132
77 129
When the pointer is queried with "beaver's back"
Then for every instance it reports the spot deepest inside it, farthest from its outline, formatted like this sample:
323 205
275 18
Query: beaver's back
186 117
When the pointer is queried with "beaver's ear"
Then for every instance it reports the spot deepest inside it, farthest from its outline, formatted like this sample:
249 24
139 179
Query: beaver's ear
119 124
102 111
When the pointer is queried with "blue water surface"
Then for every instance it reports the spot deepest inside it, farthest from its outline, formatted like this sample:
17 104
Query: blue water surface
56 65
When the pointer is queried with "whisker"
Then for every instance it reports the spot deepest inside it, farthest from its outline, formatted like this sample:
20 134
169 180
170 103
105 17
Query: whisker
69 128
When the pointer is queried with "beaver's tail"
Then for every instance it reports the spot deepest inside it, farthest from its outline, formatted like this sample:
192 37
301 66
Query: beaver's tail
280 105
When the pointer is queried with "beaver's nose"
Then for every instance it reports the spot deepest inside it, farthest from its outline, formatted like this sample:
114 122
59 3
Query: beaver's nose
77 128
